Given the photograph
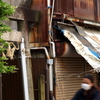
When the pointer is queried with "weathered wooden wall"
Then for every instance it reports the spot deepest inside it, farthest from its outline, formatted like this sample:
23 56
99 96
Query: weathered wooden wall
40 30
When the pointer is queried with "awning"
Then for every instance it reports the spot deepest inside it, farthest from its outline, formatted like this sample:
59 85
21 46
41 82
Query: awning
85 41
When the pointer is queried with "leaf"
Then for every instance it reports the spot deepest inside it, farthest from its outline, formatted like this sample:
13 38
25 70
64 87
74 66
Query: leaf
5 11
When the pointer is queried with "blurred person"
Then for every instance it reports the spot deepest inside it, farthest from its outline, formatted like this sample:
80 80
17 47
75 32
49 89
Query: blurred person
88 90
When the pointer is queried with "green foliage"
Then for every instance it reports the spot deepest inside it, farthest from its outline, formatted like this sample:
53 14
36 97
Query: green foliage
5 11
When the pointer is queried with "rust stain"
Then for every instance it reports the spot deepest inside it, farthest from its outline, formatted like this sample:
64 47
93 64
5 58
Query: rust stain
59 48
96 39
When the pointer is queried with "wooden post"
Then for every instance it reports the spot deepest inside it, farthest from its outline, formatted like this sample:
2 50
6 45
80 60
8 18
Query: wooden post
41 85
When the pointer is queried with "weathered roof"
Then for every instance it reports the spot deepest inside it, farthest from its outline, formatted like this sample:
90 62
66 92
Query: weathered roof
86 42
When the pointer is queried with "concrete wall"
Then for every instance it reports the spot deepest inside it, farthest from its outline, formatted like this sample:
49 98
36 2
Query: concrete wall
25 3
12 24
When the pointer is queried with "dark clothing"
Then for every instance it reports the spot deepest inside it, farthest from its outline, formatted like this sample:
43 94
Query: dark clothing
92 94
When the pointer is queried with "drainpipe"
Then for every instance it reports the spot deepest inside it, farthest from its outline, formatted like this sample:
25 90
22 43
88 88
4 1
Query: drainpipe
48 3
24 70
47 81
48 14
50 24
44 48
50 63
53 49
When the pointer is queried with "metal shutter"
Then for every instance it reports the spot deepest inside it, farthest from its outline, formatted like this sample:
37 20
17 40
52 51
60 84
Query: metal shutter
69 73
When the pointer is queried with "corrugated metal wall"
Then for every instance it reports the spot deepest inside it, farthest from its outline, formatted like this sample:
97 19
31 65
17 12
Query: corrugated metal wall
69 73
12 87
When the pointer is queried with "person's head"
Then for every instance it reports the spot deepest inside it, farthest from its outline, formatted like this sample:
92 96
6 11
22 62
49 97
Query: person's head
87 82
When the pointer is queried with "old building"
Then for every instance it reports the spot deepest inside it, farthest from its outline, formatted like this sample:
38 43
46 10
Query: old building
61 46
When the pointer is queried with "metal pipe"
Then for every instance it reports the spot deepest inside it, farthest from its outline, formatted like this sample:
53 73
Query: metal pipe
50 62
51 15
51 77
45 49
48 14
53 49
48 2
50 18
47 81
24 70
83 21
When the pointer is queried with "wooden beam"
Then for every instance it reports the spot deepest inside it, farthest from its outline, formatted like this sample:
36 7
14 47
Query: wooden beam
41 87
46 44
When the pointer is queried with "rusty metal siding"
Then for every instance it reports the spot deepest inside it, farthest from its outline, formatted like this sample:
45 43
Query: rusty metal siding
38 68
84 9
65 49
42 29
64 6
12 87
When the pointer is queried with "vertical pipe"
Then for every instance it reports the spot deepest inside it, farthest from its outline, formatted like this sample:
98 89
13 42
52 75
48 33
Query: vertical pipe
48 3
51 15
48 14
50 62
47 82
51 77
24 71
53 49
